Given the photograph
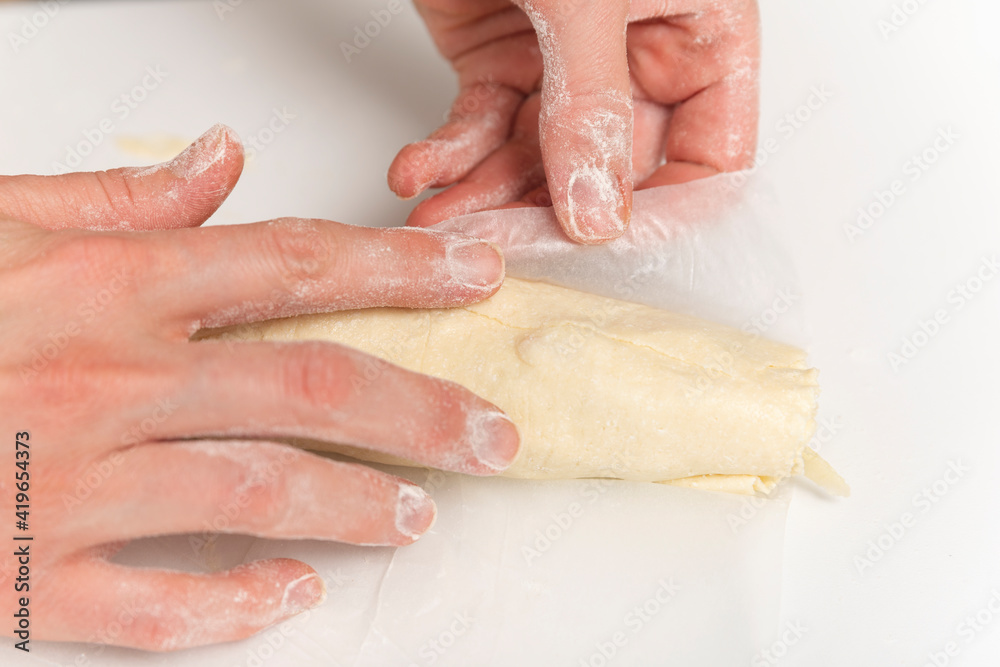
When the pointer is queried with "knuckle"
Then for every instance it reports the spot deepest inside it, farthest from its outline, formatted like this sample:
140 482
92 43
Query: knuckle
315 374
81 383
116 190
262 488
18 240
97 257
155 630
299 250
436 420
161 636
452 404
68 380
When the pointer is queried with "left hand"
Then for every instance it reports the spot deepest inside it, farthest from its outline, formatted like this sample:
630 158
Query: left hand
127 429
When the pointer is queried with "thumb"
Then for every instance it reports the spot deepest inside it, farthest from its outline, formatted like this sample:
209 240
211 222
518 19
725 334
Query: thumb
181 193
585 125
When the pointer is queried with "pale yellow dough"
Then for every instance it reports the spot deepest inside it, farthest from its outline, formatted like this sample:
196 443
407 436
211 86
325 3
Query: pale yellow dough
600 387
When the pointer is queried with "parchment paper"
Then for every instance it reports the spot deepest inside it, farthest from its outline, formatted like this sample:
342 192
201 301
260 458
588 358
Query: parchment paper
701 248
580 572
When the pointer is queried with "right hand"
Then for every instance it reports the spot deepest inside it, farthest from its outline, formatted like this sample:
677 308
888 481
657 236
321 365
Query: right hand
572 103
96 364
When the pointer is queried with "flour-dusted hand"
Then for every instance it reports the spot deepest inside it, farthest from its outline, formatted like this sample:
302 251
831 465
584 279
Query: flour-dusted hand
573 102
132 430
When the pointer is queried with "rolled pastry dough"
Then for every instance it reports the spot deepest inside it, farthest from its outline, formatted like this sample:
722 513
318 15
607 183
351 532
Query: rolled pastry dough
600 387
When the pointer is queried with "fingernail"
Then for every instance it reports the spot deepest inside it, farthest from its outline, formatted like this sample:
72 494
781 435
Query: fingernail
303 593
493 438
474 263
596 208
206 150
415 511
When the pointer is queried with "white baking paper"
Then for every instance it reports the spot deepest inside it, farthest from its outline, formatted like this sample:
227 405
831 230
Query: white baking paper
701 248
578 572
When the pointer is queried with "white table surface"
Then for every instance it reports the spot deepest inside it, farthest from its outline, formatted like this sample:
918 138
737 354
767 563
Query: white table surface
896 432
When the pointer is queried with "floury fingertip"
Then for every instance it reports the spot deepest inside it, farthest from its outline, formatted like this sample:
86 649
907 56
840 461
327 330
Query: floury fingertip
596 207
474 263
415 511
302 594
212 147
493 438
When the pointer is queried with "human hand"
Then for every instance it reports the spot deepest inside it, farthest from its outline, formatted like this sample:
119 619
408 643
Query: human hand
564 99
128 429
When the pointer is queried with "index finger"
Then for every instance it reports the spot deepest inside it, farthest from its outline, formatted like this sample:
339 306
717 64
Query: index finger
219 276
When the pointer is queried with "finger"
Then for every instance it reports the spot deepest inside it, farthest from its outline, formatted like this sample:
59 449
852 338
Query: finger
254 488
92 600
503 177
181 193
330 393
537 198
674 173
648 138
586 120
217 276
479 123
714 131
714 89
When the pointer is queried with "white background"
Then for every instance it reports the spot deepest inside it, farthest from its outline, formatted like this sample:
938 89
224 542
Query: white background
897 431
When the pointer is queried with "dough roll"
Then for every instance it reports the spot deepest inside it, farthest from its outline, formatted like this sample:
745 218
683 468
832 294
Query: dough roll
600 387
